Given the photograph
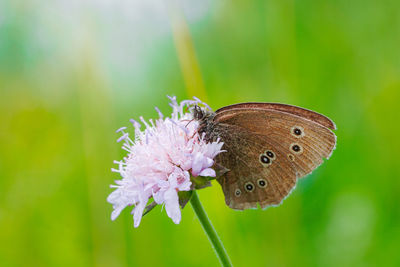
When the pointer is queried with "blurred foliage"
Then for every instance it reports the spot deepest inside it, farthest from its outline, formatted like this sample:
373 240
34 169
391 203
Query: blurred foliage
72 72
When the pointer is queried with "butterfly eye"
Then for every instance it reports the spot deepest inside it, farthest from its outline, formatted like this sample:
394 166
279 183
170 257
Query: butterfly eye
198 114
296 148
264 159
249 187
238 192
262 183
297 131
270 154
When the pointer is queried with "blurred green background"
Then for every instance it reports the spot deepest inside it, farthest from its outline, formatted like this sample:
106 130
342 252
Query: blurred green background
72 72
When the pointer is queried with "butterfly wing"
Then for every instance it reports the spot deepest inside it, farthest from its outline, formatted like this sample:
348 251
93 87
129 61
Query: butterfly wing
250 181
301 112
268 147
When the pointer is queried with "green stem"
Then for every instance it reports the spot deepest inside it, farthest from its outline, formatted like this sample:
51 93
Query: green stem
210 231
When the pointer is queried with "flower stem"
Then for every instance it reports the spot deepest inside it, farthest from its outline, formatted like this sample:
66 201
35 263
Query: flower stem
210 231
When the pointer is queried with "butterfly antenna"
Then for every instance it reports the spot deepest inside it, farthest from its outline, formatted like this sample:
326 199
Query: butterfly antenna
189 122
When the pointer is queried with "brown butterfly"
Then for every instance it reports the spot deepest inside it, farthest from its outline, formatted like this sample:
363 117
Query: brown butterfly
268 146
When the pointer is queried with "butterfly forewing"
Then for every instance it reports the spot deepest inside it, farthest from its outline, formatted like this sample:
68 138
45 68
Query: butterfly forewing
301 112
250 130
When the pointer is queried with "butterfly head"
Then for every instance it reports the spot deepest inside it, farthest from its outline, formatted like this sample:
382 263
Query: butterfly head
198 113
205 117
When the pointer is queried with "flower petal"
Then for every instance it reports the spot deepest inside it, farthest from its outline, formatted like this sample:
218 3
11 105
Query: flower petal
172 205
207 172
197 164
138 213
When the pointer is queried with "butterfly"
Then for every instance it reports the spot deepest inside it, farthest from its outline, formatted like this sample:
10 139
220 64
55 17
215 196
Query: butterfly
268 147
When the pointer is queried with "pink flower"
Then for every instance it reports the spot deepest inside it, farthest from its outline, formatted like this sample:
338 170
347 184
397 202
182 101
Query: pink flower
160 161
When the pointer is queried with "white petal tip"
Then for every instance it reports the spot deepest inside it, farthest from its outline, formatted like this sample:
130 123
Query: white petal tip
208 172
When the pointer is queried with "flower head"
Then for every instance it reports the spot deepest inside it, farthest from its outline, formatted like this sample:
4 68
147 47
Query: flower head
160 161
